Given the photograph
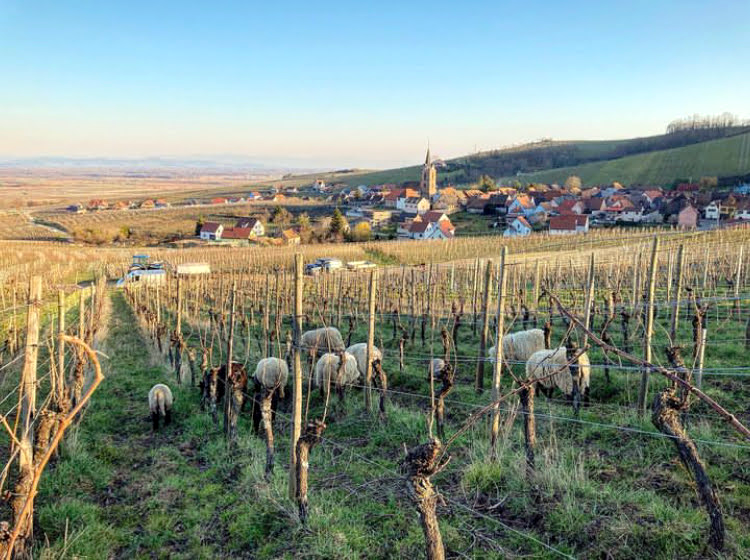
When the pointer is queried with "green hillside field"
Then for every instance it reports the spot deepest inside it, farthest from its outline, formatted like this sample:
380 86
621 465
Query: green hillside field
720 158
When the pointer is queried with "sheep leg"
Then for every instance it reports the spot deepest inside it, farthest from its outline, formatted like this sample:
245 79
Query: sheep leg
167 417
154 421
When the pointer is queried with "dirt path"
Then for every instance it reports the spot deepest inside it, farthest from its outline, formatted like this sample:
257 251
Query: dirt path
131 493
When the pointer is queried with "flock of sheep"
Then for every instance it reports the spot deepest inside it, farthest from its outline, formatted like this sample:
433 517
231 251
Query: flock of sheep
340 367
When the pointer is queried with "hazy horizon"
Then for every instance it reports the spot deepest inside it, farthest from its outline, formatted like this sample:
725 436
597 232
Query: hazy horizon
339 85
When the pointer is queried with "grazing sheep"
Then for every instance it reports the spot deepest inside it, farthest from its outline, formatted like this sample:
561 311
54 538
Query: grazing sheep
328 371
435 366
544 362
160 404
272 373
519 346
326 338
359 351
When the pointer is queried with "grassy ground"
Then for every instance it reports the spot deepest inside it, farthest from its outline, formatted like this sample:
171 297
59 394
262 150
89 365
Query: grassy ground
120 492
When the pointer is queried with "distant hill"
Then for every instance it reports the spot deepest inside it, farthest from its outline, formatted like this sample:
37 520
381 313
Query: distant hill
723 158
657 160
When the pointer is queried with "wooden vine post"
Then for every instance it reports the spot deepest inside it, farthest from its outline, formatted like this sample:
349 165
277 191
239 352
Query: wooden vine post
526 396
296 376
479 381
589 297
60 381
497 373
229 413
177 336
649 329
22 490
677 295
370 340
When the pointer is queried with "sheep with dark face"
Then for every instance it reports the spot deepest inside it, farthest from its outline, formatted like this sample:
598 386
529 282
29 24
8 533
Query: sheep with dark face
160 402
331 371
572 379
359 351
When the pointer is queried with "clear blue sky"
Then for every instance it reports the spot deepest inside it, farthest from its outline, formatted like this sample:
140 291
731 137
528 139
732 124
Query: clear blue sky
358 83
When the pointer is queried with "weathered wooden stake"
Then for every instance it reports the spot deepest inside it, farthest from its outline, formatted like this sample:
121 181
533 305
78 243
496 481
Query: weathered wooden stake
370 340
497 375
297 376
649 329
481 359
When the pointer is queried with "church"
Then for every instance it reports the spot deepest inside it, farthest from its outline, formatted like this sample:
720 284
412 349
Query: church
428 182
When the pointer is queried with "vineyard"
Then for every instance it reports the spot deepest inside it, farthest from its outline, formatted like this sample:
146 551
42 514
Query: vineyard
542 398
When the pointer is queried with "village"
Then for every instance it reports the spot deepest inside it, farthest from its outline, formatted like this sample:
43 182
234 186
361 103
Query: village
422 211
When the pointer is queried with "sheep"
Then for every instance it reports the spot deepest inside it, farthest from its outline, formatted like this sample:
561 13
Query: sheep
434 367
519 346
326 338
359 351
544 362
160 402
328 371
270 374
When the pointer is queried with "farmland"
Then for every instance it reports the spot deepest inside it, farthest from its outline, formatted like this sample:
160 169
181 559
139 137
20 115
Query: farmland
605 480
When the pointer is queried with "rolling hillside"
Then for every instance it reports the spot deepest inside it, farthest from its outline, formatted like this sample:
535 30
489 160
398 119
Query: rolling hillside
727 157
654 160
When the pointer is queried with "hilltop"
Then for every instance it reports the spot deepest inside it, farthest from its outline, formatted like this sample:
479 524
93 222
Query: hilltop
652 160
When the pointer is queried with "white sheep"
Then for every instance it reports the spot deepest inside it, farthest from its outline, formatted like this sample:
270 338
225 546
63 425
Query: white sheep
544 362
272 373
160 404
327 371
328 339
359 351
519 346
435 367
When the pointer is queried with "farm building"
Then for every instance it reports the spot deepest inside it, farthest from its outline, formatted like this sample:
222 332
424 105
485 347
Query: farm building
290 237
567 225
256 227
688 217
519 227
211 231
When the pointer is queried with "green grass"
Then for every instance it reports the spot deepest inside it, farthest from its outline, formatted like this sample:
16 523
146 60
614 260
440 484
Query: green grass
720 158
124 493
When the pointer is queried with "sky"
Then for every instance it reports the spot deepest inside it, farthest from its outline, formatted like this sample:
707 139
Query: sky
358 84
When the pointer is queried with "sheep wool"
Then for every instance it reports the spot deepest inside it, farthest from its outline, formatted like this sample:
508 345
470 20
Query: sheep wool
326 338
272 372
160 404
519 346
435 367
327 368
544 362
359 351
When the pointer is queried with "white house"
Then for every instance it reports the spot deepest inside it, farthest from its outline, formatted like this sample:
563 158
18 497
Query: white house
519 227
413 205
631 216
256 227
441 230
211 231
522 204
712 211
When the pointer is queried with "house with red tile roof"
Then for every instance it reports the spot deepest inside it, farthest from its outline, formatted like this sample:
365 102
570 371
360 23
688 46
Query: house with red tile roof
211 231
566 225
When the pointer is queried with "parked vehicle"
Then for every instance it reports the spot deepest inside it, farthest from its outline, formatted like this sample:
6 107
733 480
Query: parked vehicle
143 276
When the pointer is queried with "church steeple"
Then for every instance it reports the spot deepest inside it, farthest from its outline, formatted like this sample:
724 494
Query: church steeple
428 182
